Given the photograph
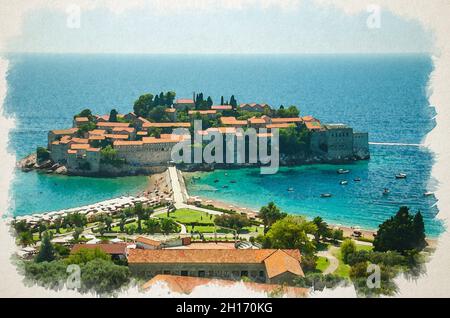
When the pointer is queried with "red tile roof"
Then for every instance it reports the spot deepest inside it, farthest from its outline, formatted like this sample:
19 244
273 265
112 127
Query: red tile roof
203 112
170 110
313 125
116 136
147 241
166 125
128 143
287 120
69 131
79 146
221 107
112 124
281 125
81 119
256 120
184 101
232 121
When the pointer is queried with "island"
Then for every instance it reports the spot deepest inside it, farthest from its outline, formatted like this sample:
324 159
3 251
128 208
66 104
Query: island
141 142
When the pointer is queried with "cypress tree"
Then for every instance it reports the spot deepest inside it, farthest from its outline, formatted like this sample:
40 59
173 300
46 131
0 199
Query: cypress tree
47 251
419 231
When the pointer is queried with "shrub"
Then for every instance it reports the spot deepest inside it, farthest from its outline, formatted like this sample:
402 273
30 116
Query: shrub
42 154
348 247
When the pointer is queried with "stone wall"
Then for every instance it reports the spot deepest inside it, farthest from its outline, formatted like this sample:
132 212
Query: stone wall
361 145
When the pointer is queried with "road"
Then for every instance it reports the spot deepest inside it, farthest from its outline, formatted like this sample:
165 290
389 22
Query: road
334 262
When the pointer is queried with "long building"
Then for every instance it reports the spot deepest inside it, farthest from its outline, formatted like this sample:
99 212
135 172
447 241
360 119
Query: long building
265 265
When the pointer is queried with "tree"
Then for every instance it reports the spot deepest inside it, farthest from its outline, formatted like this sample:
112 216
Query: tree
76 233
84 255
269 215
46 251
41 228
168 226
152 226
142 213
337 235
322 228
103 276
158 114
26 238
348 247
85 128
233 221
143 104
233 102
108 223
401 233
209 101
221 100
113 116
291 232
42 154
294 140
123 221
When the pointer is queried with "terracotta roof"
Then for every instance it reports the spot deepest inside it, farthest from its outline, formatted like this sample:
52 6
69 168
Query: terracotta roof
69 131
184 101
81 119
232 121
127 143
113 249
112 124
309 118
256 120
186 284
287 120
222 130
281 262
281 125
221 107
313 125
97 137
127 129
166 125
170 110
106 117
116 136
147 241
65 139
80 140
211 256
97 132
142 133
79 146
203 112
71 151
93 149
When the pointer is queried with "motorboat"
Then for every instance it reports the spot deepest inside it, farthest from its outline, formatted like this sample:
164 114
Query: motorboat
358 179
217 180
400 175
386 191
428 194
343 182
326 195
290 189
343 171
233 181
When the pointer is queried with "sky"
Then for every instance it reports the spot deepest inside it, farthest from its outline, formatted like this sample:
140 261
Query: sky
299 26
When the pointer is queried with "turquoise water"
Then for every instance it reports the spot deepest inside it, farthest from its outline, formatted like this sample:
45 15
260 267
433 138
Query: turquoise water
384 95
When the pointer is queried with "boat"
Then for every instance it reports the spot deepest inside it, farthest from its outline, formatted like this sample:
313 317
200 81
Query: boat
217 180
326 195
290 189
400 175
343 182
386 191
428 194
225 187
233 181
343 171
358 179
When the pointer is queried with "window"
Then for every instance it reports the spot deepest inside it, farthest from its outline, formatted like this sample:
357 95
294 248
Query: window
244 273
261 274
184 273
201 273
166 272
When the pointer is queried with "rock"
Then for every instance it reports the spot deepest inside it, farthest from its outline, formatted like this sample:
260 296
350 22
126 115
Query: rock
61 170
55 166
27 162
45 165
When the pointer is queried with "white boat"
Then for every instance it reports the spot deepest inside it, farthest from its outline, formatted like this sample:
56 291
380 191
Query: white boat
343 171
428 194
290 189
343 182
326 195
386 191
400 175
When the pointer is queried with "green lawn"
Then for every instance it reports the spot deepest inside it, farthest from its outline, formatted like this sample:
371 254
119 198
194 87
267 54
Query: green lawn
322 263
343 269
189 216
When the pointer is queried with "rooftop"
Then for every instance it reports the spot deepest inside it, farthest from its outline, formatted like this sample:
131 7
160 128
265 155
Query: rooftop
147 241
221 107
184 101
69 131
112 124
166 125
232 121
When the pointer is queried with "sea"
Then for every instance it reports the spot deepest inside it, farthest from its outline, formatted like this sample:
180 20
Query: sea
385 95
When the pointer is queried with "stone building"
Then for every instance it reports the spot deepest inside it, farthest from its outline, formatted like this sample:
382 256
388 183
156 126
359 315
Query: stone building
263 265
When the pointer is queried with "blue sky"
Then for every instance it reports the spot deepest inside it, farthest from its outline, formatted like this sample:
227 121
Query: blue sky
254 29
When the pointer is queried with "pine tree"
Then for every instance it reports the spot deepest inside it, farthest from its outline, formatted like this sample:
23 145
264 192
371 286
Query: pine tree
47 251
209 102
221 100
419 231
233 102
